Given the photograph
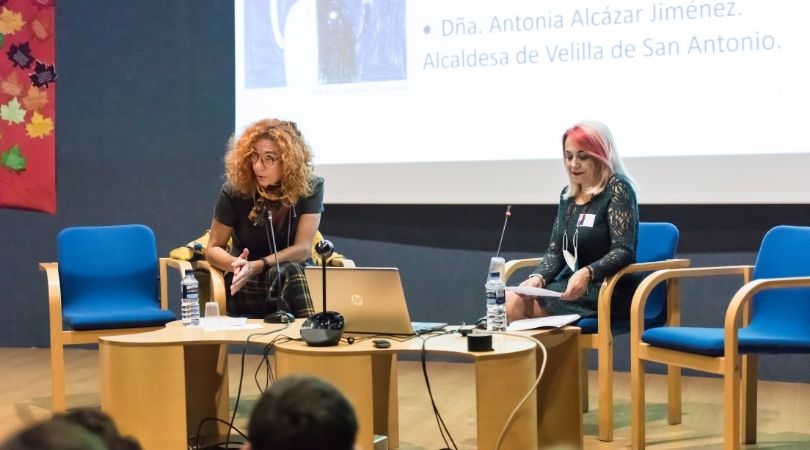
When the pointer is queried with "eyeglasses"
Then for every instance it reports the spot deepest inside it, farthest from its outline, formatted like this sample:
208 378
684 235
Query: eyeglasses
267 160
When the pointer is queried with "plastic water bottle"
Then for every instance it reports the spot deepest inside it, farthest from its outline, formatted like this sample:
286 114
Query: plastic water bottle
496 302
190 300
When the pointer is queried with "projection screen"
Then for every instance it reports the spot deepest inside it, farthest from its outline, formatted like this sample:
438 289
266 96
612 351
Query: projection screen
465 102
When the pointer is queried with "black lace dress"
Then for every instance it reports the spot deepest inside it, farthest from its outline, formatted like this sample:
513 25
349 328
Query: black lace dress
606 233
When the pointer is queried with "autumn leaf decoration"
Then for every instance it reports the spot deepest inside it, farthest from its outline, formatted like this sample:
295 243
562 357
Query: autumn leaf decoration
11 85
36 99
40 126
42 27
43 74
13 159
10 22
11 111
20 55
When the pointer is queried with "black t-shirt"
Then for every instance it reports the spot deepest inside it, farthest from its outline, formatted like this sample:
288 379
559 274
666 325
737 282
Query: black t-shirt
234 209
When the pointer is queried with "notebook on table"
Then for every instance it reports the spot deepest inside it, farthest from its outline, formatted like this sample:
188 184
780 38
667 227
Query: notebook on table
371 299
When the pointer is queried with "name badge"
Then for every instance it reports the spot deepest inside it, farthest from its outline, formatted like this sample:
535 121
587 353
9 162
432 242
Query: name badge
586 220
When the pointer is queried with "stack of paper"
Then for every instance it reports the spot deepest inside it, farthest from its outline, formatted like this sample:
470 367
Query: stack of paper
542 322
533 291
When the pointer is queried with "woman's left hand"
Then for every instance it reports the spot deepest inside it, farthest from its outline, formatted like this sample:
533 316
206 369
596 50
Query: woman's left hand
577 285
242 271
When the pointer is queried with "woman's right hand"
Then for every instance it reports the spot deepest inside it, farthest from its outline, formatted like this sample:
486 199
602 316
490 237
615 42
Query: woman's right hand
532 282
241 272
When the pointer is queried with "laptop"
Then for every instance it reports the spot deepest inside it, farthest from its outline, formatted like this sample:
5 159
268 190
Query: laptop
371 299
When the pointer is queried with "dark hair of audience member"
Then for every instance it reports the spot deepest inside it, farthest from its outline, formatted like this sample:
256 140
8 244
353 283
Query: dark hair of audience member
54 434
102 425
302 413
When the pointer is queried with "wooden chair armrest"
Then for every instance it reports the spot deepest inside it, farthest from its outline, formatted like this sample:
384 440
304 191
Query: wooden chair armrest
179 264
514 265
652 266
346 263
736 308
216 284
609 284
163 264
650 282
51 270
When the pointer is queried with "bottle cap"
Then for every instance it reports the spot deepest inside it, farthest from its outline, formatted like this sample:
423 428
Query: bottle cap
496 264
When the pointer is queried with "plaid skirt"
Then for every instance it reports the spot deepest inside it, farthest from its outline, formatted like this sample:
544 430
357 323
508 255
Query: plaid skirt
268 292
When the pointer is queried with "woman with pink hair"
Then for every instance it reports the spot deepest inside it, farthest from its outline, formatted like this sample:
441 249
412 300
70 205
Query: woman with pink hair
595 232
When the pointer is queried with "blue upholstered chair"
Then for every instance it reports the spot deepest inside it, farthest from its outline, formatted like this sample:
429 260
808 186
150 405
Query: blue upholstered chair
108 281
768 314
657 244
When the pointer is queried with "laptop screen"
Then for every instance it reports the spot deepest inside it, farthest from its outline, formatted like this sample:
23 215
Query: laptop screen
371 299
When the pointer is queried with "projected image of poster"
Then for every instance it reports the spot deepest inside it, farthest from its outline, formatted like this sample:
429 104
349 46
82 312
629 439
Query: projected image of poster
264 42
310 42
361 40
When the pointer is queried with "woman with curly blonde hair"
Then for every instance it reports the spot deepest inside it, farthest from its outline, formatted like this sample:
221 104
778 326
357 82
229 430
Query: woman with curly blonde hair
270 194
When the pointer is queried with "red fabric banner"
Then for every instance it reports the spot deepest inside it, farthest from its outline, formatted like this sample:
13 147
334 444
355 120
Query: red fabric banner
27 105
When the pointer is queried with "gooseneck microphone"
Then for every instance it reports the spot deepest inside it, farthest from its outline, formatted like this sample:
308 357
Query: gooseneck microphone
281 315
325 328
324 249
503 231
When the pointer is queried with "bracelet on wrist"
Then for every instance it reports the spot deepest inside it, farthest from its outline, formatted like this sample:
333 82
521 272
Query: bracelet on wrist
265 264
590 271
542 280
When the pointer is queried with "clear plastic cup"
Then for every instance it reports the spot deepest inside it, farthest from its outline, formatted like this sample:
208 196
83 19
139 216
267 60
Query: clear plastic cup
212 317
212 309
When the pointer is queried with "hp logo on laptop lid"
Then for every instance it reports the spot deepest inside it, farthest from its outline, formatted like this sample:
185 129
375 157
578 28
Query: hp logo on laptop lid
357 300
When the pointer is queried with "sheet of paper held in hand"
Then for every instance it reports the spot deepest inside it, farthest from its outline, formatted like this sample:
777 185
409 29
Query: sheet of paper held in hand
535 291
542 322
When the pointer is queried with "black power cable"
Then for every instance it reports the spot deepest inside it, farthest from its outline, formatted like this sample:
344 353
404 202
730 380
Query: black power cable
231 426
443 430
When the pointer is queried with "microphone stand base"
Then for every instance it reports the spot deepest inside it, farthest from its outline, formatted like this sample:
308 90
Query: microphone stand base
323 329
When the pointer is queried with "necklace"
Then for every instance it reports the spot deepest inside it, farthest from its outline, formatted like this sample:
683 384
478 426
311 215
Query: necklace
571 259
258 213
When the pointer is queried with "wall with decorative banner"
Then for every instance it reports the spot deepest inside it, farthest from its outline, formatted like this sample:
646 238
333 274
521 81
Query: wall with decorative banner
27 105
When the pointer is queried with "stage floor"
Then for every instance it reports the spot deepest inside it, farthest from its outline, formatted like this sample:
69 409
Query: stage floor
784 408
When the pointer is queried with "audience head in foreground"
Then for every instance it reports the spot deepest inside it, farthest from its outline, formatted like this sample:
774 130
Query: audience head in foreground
102 425
79 429
54 434
302 412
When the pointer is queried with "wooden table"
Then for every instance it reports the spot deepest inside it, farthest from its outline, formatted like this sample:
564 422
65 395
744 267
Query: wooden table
559 405
159 385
